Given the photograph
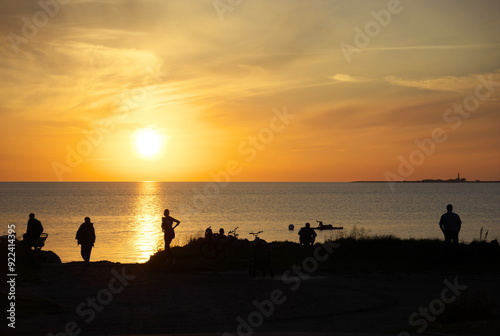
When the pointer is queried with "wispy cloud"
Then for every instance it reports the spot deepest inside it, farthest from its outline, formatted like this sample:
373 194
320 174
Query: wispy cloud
459 84
225 77
436 47
350 79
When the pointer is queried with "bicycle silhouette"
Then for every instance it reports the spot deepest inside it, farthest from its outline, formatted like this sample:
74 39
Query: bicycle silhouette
260 257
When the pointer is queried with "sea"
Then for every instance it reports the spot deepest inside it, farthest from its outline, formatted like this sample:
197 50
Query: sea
127 215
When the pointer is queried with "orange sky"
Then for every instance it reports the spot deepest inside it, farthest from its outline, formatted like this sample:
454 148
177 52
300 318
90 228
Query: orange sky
261 91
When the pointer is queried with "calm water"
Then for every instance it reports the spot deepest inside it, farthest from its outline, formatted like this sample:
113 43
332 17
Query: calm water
127 216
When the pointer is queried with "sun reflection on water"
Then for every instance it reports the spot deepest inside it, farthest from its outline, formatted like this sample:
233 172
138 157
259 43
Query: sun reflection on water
147 220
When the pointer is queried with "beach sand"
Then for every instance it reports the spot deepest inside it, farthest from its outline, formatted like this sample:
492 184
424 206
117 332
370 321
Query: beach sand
168 302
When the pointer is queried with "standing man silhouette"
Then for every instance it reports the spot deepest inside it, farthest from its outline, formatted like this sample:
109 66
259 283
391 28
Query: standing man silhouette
167 223
450 224
86 238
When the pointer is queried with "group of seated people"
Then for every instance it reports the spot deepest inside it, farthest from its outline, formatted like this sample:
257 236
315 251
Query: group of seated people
307 235
209 234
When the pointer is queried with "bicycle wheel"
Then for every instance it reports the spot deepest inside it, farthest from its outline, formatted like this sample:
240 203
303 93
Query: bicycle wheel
207 249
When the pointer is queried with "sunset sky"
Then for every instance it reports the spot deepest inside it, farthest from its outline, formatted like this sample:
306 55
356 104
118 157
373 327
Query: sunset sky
260 90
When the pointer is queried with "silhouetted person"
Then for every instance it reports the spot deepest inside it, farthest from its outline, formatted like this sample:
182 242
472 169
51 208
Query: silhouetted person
307 235
450 225
221 233
86 238
167 223
33 231
221 238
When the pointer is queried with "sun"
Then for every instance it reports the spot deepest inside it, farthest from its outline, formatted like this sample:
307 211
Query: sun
148 142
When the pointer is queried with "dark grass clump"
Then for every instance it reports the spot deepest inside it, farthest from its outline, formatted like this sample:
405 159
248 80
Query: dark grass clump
361 251
25 266
471 313
189 258
358 251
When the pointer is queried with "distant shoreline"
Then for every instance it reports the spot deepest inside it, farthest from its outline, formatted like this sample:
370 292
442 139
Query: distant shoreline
418 181
426 181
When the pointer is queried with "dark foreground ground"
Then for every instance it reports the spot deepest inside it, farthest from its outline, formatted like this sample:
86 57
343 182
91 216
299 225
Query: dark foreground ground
309 293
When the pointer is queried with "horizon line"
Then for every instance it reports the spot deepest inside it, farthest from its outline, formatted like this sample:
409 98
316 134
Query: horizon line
355 181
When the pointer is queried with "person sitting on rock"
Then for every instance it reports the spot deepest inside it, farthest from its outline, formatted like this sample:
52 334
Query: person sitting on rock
33 231
307 235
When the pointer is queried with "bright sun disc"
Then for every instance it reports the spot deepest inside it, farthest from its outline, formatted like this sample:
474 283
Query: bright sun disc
148 142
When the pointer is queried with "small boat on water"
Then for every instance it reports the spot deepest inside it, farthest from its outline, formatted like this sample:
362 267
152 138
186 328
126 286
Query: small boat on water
322 226
328 227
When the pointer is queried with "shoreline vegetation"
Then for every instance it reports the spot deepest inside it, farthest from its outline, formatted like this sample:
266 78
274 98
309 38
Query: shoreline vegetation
358 249
359 260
